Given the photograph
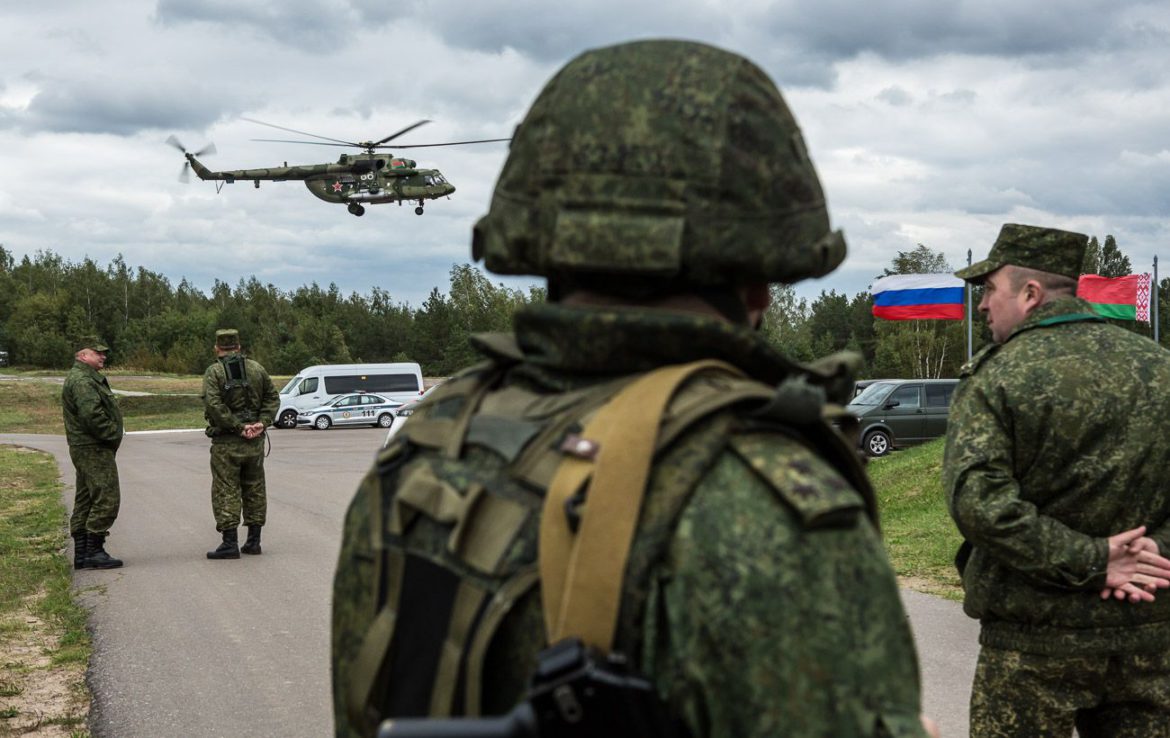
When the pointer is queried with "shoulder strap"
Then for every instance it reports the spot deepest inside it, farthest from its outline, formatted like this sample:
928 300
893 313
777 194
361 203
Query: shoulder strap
581 575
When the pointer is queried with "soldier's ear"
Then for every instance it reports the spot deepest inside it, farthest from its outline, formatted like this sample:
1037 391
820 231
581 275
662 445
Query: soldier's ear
1034 293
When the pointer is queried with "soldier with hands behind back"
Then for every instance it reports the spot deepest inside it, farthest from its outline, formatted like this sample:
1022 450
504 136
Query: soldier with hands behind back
1056 475
659 186
93 430
239 403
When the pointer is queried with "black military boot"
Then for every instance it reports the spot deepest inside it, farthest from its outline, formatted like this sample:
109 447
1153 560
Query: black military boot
229 549
80 549
252 545
96 556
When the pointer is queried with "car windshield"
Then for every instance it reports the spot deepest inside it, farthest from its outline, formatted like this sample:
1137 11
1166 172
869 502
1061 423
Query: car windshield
292 383
873 394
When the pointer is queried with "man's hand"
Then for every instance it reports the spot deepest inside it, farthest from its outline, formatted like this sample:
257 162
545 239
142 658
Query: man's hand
252 430
1135 569
930 726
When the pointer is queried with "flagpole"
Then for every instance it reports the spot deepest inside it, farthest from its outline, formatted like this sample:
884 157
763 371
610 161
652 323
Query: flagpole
968 296
1155 294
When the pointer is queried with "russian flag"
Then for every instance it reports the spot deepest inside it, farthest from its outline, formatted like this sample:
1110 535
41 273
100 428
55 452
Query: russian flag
918 297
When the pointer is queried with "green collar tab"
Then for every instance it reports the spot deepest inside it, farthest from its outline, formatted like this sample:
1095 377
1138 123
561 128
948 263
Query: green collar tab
1071 318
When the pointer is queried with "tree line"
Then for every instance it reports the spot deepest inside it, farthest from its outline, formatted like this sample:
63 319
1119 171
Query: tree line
47 303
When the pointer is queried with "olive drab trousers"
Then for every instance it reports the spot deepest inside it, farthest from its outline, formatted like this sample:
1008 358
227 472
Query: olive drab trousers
237 482
97 496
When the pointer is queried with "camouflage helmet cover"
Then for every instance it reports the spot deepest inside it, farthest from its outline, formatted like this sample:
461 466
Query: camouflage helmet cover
670 160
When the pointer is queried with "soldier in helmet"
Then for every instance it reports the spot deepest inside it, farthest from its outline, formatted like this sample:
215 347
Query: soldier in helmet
660 187
93 428
1055 470
239 403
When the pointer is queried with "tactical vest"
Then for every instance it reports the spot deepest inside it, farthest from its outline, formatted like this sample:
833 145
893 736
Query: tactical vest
236 384
456 523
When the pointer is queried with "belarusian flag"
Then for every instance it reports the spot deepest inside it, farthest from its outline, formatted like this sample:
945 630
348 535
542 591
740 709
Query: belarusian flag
1123 298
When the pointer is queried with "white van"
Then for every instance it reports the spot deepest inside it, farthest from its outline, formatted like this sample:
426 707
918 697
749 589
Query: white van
316 385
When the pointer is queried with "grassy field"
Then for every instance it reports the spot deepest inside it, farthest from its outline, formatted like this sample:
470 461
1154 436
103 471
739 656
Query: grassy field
44 646
35 406
920 535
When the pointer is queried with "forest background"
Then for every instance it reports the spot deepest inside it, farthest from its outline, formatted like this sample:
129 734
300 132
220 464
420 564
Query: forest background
48 303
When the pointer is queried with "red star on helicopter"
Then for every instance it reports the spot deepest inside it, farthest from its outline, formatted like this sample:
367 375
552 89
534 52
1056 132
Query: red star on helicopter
337 187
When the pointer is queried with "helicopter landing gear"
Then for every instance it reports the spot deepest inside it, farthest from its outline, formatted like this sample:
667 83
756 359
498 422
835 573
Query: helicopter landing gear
356 209
419 210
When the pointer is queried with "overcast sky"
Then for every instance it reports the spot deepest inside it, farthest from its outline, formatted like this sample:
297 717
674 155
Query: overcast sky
930 121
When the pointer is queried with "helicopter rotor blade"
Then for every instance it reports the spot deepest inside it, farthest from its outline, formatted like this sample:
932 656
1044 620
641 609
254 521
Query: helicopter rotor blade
208 150
307 143
449 143
392 136
300 133
185 173
174 141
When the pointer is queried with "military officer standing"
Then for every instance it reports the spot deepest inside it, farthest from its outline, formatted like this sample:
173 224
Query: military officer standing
93 429
659 186
1056 474
239 403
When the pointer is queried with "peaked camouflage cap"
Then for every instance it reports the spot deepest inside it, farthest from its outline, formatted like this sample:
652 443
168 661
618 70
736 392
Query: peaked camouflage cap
1044 249
93 343
669 160
227 338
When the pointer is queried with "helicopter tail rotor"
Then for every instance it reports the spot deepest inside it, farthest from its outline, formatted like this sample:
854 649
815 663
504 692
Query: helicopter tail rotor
185 172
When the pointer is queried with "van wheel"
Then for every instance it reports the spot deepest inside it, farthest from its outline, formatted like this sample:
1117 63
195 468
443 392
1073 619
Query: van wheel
322 422
877 443
287 419
385 420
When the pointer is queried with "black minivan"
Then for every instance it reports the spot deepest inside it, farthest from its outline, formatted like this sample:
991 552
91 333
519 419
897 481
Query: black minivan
901 412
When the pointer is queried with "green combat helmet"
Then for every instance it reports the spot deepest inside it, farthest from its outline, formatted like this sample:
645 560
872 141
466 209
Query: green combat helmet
668 162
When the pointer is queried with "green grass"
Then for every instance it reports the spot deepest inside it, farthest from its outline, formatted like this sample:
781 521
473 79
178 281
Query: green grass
35 407
920 536
160 412
37 606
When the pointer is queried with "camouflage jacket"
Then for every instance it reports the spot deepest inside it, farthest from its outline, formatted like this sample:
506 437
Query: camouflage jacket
227 411
767 607
1056 440
91 413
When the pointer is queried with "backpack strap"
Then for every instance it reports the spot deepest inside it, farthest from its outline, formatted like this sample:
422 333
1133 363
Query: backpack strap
581 575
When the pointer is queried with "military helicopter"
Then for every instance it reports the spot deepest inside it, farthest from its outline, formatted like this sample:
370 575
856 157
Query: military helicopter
356 180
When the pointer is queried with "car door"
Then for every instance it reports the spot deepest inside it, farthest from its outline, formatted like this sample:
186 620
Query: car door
938 404
308 394
371 404
904 414
347 410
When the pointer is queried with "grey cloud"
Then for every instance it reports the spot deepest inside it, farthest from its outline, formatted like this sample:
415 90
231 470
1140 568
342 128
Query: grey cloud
895 96
913 29
801 40
554 33
87 107
313 25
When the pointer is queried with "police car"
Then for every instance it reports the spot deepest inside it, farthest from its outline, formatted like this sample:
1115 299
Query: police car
356 409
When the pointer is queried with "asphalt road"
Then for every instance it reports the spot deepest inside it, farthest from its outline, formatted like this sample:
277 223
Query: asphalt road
184 646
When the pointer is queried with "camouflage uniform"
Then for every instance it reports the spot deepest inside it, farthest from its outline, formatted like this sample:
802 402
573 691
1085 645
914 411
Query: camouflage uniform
1055 442
237 463
757 596
93 429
